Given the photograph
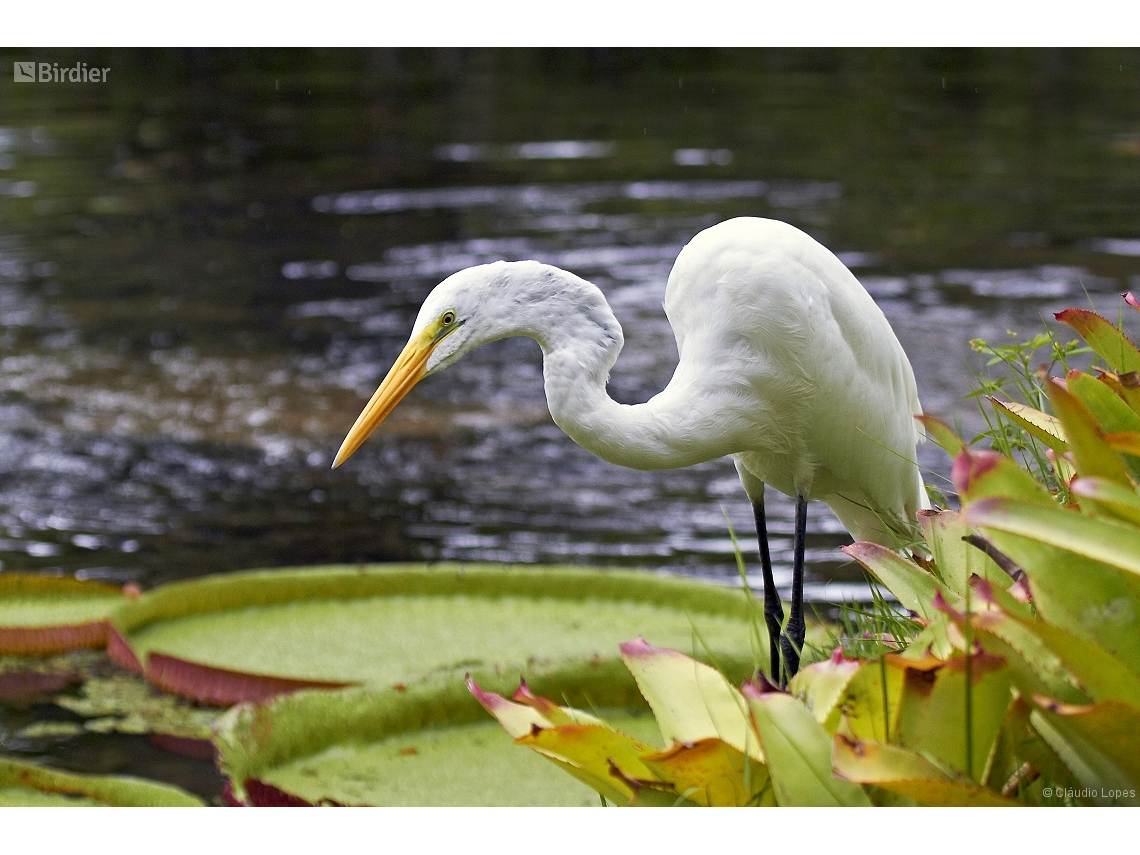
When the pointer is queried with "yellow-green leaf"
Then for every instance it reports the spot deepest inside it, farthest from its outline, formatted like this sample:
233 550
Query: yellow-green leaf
799 754
712 773
1091 452
957 560
914 587
1101 539
820 685
1109 343
1111 412
1109 496
943 435
1097 743
908 774
690 700
1041 425
978 474
592 753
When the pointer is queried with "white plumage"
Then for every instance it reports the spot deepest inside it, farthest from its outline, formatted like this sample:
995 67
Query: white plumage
785 363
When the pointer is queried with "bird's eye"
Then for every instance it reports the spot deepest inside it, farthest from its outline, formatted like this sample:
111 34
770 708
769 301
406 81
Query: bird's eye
447 318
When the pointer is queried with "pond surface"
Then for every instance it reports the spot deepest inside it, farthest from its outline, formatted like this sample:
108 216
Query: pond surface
208 263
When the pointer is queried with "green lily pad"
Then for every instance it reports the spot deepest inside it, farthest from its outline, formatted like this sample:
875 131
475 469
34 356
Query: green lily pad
251 636
427 745
42 615
29 785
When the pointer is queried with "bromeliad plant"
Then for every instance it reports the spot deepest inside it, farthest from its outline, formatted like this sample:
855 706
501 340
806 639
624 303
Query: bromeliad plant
1021 685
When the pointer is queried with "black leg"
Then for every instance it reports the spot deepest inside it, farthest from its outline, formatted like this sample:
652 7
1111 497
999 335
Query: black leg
773 609
792 641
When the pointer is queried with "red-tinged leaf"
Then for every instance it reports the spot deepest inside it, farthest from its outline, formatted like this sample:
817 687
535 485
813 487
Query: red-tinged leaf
914 587
599 756
1100 539
943 435
1091 452
517 720
1112 413
908 774
221 687
987 473
1125 441
1108 342
690 700
1097 743
1109 496
1130 299
551 711
820 685
711 772
1040 425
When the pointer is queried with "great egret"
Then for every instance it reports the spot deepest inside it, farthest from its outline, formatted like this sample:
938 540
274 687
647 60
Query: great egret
785 364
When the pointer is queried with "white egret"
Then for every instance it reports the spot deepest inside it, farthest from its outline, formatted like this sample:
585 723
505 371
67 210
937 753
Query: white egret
785 364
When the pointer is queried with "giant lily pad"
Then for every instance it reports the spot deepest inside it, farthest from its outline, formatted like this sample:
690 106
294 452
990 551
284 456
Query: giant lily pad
429 744
41 615
250 636
29 785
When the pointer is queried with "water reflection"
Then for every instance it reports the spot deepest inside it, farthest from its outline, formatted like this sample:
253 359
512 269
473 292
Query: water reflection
202 281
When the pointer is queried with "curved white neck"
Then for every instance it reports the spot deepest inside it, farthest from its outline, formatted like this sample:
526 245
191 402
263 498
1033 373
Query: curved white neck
580 340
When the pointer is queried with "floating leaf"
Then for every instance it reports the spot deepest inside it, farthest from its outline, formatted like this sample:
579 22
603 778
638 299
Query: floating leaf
423 744
799 754
29 785
1109 343
250 636
41 615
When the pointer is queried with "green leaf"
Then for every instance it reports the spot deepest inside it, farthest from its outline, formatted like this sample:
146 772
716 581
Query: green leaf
978 474
914 587
690 700
1040 425
799 754
429 743
1110 411
942 434
41 615
1097 743
1084 596
1104 540
820 685
1108 342
252 635
955 559
29 784
1109 496
908 774
1091 453
870 703
712 773
933 718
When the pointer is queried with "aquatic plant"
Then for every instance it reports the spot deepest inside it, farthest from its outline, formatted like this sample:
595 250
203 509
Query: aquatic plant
1014 678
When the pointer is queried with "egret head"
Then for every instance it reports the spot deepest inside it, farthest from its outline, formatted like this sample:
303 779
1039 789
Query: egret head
453 320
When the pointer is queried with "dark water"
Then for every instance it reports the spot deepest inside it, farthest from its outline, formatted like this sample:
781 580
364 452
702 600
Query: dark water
208 262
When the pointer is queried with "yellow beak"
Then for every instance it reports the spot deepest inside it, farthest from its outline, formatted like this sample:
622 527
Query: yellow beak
406 373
